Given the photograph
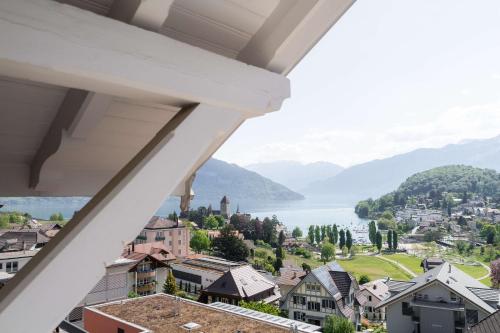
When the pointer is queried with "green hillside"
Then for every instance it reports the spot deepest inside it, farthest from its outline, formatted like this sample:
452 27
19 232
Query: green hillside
456 181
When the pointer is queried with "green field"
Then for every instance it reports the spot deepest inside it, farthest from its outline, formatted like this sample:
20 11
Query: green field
474 271
410 262
486 281
374 267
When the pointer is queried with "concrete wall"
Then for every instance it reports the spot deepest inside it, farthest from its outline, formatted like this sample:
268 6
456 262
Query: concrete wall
436 321
396 322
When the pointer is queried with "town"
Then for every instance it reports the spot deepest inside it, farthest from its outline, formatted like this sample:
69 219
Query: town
211 261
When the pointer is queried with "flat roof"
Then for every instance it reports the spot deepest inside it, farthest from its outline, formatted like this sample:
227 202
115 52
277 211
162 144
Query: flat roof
158 313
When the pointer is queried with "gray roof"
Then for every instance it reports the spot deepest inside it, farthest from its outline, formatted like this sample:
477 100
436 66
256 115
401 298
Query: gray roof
451 277
241 281
323 275
490 324
486 294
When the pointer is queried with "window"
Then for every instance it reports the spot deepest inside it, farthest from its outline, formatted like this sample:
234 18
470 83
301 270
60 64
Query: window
180 242
406 309
120 330
303 300
179 232
471 316
295 299
297 315
328 304
1 266
170 243
313 306
453 297
369 298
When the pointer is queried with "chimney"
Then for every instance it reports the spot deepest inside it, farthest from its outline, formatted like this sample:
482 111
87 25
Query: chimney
449 268
294 275
133 247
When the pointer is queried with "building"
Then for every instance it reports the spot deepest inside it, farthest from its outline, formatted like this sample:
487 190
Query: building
126 117
288 279
242 283
225 207
174 235
157 250
374 292
11 262
134 272
443 299
25 239
430 263
195 274
167 314
490 324
324 291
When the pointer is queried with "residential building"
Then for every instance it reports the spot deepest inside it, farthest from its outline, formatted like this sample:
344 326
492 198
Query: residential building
374 292
288 279
174 235
157 250
134 272
24 239
442 300
125 102
490 324
241 284
195 274
430 263
11 262
324 291
168 314
212 234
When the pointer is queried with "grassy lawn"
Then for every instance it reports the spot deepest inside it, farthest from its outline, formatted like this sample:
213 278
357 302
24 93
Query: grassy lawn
474 271
373 267
410 262
486 282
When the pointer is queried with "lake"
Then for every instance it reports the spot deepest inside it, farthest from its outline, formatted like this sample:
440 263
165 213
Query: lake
300 213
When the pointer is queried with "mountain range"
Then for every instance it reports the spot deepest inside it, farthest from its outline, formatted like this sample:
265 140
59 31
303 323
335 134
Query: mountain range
295 175
374 178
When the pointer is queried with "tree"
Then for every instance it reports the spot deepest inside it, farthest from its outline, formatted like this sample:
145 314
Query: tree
261 307
431 235
280 253
329 233
323 232
228 246
132 294
281 238
306 267
278 263
269 230
335 233
338 324
221 221
495 273
169 287
348 240
57 217
341 239
372 232
210 222
200 241
389 239
378 240
310 234
364 279
394 240
317 234
327 252
297 232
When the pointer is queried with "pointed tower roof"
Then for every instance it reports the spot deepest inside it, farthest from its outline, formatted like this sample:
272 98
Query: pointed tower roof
225 200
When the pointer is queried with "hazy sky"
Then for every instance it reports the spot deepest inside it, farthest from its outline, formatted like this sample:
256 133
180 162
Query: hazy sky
391 76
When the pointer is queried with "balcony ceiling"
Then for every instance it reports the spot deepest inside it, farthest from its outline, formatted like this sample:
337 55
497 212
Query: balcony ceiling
106 130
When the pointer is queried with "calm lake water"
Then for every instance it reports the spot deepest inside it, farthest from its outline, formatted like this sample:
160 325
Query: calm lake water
291 213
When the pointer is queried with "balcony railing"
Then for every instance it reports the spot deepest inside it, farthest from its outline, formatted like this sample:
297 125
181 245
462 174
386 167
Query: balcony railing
159 238
438 303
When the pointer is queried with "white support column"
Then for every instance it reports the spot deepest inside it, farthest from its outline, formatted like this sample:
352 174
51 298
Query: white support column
57 278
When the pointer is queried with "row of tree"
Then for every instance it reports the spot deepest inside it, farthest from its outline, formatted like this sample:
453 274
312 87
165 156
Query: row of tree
376 238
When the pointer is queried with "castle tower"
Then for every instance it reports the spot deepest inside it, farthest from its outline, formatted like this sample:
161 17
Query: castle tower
225 209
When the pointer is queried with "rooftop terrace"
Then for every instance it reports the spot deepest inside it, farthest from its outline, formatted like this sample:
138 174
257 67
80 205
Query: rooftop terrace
164 314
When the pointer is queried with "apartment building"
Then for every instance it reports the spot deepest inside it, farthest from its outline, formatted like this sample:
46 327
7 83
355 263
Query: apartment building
173 234
374 292
442 300
195 274
324 291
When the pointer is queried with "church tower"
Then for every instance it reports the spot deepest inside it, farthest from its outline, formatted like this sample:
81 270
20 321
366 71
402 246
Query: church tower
225 209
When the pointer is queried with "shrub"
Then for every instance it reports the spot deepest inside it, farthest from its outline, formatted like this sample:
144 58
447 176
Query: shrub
337 324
